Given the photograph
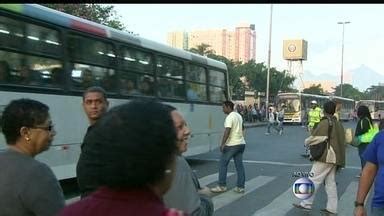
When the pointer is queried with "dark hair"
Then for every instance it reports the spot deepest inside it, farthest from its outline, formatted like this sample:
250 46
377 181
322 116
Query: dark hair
363 112
22 113
229 104
329 107
131 145
170 108
95 89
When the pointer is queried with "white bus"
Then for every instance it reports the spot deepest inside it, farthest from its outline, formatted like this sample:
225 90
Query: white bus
298 105
376 108
52 57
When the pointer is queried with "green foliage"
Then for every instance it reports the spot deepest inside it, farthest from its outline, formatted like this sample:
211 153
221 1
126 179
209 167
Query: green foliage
202 49
374 93
349 92
255 73
105 15
314 89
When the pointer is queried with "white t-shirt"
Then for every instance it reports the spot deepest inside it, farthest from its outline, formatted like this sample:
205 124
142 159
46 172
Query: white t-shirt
235 122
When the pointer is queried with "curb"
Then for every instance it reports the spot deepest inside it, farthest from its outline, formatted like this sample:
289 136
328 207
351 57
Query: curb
255 125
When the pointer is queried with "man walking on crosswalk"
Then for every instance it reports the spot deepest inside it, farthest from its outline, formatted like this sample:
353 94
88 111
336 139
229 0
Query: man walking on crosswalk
332 158
232 146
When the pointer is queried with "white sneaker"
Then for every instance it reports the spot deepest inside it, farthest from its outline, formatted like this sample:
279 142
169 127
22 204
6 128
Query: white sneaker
218 189
281 132
267 133
239 190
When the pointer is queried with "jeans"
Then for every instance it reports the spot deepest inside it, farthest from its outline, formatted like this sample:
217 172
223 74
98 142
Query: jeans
235 152
280 125
377 211
361 149
272 124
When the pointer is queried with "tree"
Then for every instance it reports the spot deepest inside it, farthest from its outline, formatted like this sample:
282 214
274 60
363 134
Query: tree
256 73
202 49
374 93
349 92
102 14
314 89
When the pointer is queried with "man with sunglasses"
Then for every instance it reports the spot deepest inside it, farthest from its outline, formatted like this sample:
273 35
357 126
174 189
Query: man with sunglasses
95 104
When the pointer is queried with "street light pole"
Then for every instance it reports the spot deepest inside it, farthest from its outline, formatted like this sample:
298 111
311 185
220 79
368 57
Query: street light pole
342 57
269 63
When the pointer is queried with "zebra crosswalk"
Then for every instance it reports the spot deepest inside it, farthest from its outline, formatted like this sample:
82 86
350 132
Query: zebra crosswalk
279 205
228 202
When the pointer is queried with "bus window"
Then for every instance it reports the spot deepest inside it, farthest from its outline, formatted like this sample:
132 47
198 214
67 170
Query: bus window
84 76
196 92
170 68
29 70
217 92
170 88
137 61
216 78
12 35
170 82
91 50
129 84
196 83
146 85
42 40
196 73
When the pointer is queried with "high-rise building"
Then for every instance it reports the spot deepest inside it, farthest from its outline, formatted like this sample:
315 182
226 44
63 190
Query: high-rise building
238 45
178 39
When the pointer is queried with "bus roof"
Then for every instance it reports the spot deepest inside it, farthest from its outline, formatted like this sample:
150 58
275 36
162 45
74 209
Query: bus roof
69 21
302 94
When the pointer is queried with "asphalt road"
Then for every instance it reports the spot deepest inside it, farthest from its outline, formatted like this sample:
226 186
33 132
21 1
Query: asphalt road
272 164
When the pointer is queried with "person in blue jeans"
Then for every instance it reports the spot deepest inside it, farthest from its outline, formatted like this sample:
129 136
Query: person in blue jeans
232 146
373 171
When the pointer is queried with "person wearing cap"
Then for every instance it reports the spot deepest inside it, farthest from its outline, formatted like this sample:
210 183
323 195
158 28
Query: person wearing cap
314 117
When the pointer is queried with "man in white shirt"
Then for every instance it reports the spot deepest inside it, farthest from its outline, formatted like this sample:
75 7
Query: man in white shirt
232 146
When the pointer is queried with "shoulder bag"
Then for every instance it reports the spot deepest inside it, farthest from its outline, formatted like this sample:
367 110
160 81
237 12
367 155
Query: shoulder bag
316 151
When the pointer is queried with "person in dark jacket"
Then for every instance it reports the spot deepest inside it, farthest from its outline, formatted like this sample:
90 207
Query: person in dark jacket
363 125
95 105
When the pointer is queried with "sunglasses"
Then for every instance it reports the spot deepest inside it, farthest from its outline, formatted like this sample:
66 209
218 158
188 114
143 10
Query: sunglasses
47 128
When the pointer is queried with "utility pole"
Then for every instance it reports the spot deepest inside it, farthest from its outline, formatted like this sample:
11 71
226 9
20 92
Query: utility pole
269 63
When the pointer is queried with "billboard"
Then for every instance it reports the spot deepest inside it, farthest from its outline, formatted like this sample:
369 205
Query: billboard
295 49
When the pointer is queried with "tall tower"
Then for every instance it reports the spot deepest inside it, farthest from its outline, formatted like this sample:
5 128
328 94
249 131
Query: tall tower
295 51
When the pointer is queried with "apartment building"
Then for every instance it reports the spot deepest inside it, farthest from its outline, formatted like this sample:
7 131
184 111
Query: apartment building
238 45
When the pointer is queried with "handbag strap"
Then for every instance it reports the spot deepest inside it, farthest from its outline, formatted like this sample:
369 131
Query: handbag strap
330 125
369 122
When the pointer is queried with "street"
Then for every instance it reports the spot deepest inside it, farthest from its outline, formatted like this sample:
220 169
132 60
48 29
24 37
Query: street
272 164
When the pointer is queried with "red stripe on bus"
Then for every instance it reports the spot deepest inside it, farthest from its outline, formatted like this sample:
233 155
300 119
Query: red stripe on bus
88 28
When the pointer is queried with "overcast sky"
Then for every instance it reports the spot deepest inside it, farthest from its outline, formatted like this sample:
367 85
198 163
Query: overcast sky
316 23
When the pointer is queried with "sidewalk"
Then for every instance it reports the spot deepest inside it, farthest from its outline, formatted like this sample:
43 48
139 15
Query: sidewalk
255 124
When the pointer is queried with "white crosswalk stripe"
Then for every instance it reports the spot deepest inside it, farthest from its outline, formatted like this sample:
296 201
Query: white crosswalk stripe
206 180
230 196
279 206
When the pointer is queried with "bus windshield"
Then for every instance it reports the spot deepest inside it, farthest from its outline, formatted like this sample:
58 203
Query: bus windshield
292 104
